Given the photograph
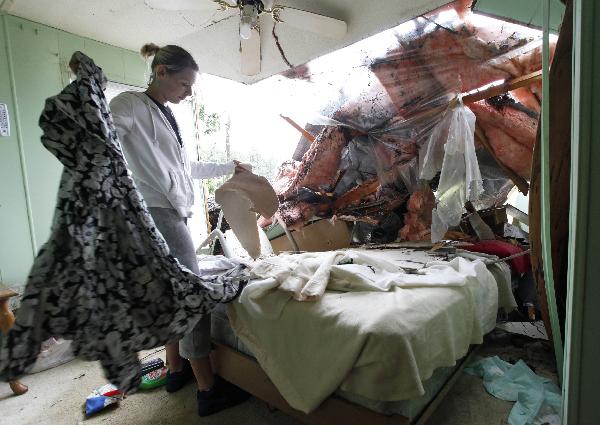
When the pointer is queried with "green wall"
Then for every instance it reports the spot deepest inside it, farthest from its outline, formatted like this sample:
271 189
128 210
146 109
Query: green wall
33 66
582 342
528 12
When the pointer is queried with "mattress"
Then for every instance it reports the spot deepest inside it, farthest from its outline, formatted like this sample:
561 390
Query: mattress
222 332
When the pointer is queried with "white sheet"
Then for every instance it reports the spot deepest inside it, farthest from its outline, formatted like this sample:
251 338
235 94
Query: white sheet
379 335
306 277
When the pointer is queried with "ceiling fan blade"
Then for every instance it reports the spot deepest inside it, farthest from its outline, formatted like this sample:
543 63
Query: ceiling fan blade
250 53
319 24
181 5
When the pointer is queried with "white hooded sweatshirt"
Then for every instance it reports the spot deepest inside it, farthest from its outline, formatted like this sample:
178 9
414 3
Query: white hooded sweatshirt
159 164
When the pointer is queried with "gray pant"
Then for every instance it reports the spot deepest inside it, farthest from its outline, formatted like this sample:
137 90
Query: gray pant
174 229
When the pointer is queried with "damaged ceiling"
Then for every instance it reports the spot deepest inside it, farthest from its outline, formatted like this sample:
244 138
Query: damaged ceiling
210 34
407 134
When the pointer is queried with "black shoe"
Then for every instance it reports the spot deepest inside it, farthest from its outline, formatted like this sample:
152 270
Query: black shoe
177 380
236 394
221 396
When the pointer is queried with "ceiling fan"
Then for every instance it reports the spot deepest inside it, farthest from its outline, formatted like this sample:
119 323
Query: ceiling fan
249 27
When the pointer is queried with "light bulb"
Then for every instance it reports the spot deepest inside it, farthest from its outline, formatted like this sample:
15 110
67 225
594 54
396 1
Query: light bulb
248 18
245 30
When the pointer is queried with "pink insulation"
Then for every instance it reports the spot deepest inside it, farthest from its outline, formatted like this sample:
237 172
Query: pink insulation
319 165
417 221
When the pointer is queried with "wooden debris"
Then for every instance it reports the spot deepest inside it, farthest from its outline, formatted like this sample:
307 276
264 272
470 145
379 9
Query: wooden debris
356 194
505 87
305 133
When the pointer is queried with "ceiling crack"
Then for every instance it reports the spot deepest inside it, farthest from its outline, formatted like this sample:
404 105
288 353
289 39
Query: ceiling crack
281 52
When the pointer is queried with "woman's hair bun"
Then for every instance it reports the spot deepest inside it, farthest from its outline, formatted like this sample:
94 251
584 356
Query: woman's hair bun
149 50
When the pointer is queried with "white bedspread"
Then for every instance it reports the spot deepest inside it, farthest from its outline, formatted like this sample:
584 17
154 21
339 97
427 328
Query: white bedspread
369 329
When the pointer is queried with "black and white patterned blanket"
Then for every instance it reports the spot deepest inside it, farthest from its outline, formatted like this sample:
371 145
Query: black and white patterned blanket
105 278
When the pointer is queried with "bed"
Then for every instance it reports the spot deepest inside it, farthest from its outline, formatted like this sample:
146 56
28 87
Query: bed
353 355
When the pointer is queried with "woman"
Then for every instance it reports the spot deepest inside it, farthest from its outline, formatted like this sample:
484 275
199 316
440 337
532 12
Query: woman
156 156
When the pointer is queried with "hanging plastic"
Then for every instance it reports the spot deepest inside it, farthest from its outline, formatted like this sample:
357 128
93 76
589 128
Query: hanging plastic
460 179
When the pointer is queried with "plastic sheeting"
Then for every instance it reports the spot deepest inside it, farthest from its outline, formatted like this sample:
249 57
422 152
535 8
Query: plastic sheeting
460 179
397 101
358 164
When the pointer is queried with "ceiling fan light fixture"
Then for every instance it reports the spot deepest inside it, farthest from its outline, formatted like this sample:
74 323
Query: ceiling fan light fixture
268 4
248 19
245 30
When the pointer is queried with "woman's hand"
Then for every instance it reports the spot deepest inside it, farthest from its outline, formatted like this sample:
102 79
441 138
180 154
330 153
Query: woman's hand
74 63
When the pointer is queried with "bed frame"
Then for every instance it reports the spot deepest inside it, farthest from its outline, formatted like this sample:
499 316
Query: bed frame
246 373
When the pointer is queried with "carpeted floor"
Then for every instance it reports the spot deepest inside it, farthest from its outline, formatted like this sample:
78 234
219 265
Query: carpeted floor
56 396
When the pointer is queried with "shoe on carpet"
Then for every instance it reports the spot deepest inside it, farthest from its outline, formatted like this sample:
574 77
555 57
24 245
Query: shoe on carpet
177 380
221 396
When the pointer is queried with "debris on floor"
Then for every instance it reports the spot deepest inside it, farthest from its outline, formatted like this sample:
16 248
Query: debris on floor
538 399
102 397
154 379
511 347
154 375
533 329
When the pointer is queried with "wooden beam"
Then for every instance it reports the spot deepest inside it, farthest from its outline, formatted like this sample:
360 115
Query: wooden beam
519 181
523 81
561 198
305 133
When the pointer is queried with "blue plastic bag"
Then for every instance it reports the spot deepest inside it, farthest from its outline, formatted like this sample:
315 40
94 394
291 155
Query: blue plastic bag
538 400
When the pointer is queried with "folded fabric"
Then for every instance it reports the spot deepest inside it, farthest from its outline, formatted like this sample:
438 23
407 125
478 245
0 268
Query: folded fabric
241 197
538 399
104 279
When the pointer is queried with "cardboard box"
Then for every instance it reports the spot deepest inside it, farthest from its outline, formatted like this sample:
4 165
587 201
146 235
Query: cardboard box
322 235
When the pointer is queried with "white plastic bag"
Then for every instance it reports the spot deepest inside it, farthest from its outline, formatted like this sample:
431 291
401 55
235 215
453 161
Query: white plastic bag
460 180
